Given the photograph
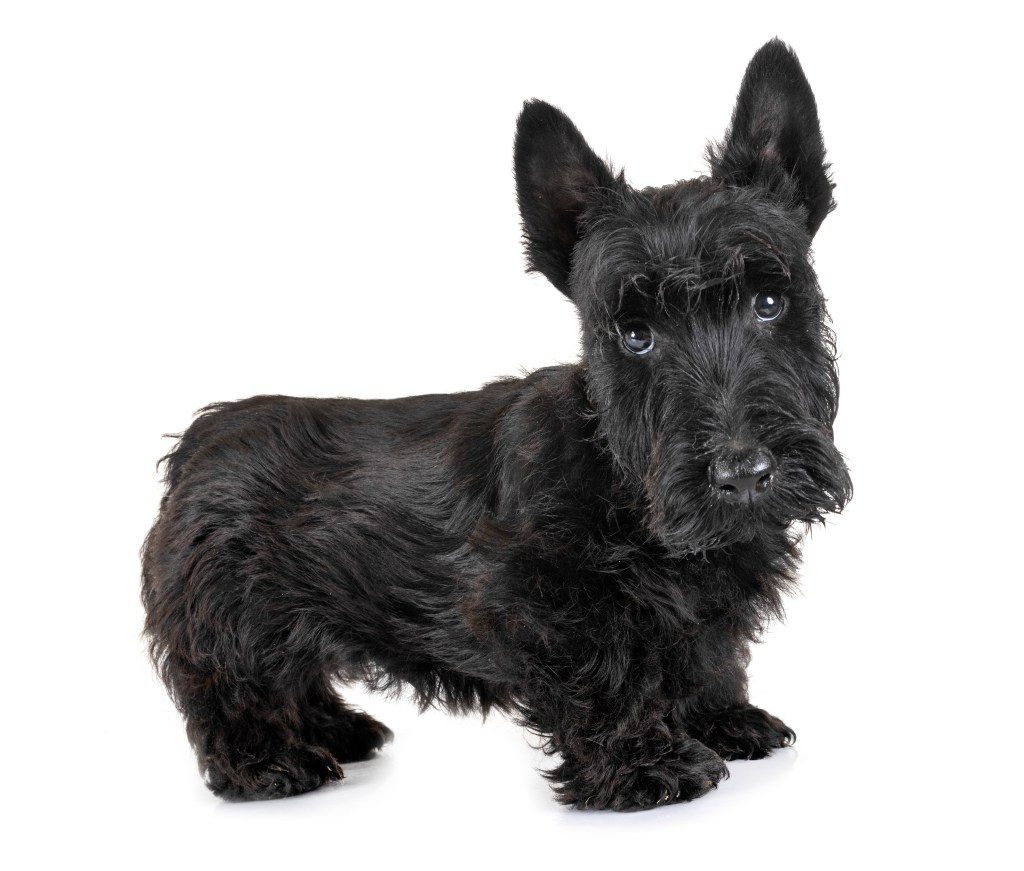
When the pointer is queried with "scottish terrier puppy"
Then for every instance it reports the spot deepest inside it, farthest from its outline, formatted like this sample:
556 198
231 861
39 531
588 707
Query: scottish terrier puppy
591 548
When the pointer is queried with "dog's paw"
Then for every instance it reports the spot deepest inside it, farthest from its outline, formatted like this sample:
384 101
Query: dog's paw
355 736
291 771
742 733
689 776
689 773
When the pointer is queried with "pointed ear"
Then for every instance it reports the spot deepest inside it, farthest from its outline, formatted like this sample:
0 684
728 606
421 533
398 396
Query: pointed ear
775 139
557 177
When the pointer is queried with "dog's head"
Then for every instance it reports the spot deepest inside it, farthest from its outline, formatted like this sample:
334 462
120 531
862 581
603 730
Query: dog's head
707 349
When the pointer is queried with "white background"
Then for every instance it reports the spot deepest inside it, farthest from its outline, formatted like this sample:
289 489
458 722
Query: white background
203 201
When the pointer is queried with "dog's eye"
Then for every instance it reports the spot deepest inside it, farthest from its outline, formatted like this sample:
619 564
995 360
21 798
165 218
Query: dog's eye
768 306
637 338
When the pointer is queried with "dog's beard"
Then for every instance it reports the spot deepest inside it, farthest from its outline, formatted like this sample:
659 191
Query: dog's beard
689 516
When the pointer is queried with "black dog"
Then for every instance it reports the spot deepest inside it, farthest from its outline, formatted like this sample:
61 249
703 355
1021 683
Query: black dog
591 547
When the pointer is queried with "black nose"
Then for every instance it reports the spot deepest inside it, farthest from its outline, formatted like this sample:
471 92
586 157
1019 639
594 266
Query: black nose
743 476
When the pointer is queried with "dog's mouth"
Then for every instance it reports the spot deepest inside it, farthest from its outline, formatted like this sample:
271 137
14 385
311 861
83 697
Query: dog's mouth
720 526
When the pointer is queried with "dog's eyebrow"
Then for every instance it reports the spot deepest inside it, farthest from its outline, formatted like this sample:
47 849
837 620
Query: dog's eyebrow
681 283
633 289
640 288
763 254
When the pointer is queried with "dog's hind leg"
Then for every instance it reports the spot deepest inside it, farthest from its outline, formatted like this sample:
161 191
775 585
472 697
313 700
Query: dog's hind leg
262 740
244 631
350 735
248 734
254 689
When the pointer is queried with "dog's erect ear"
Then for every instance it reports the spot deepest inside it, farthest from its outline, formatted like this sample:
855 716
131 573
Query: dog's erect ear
557 176
775 139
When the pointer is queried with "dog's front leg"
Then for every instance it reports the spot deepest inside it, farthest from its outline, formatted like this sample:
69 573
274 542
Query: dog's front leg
720 715
621 754
741 732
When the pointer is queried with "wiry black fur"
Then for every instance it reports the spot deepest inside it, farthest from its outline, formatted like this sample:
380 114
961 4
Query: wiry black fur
552 545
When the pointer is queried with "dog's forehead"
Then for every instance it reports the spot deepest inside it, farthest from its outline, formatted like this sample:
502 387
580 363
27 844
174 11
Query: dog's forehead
687 245
712 223
690 236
